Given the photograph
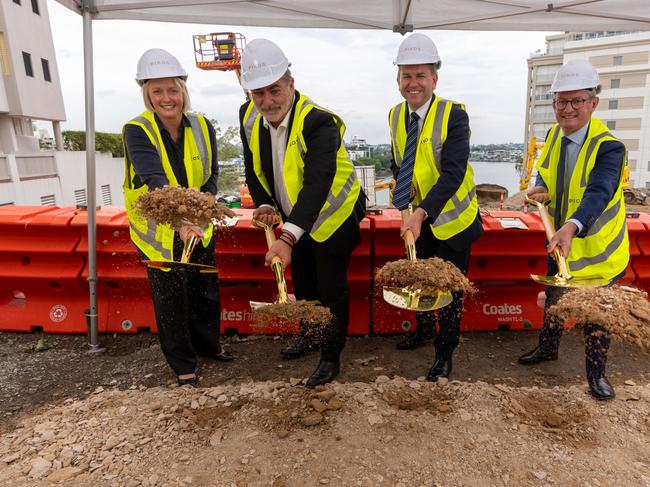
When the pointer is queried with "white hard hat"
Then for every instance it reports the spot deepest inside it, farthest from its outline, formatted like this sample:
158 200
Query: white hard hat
158 63
576 74
417 49
262 64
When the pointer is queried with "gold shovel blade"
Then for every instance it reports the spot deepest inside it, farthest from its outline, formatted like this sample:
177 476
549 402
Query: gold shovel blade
559 281
416 300
166 265
257 304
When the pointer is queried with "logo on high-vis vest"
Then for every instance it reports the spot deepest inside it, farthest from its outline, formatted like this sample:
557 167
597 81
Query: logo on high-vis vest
58 312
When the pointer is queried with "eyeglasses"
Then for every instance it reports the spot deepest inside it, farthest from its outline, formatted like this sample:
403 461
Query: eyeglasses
576 103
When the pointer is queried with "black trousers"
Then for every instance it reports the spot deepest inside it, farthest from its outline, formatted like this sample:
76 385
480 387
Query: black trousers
448 317
320 272
597 339
187 307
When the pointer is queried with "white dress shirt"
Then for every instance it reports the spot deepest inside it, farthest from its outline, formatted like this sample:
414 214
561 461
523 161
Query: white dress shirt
278 150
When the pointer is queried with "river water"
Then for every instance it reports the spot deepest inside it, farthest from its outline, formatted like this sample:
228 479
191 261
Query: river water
501 173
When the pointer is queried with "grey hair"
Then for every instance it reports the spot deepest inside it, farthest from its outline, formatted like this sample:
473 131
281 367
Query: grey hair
187 106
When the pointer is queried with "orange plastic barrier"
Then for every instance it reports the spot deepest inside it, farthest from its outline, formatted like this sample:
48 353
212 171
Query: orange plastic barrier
40 285
639 233
123 295
387 246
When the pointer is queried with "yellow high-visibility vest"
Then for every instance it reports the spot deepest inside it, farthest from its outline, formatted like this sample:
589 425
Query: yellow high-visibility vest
461 209
345 187
157 241
605 251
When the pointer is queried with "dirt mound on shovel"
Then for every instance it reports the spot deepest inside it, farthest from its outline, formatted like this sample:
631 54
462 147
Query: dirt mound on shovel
623 311
178 206
429 275
311 312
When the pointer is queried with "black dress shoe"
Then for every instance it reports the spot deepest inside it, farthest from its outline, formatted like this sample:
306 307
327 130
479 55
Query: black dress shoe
223 356
537 355
440 368
601 389
326 371
190 381
415 340
297 349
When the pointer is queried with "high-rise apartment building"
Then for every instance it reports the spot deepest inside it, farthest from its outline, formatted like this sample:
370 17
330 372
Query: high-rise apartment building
29 78
623 63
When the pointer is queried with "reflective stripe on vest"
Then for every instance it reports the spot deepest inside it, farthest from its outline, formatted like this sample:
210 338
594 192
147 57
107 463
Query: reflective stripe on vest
460 211
604 250
345 188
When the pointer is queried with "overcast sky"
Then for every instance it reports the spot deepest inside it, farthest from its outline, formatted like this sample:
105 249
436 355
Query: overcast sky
350 72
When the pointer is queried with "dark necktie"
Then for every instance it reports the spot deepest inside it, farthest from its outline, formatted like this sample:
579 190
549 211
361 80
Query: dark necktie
559 182
402 192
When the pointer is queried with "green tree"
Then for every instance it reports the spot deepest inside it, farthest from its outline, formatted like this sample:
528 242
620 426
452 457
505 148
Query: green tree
228 141
380 161
75 140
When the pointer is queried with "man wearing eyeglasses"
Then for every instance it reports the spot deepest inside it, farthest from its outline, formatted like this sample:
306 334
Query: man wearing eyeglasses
581 172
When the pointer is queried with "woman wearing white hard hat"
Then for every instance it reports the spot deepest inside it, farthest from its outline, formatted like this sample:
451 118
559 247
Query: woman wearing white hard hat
168 145
580 173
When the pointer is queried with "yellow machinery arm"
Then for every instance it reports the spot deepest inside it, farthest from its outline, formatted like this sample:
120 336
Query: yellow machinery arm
529 163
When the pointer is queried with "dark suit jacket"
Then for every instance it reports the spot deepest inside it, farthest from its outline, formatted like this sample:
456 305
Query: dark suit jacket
323 140
453 164
603 181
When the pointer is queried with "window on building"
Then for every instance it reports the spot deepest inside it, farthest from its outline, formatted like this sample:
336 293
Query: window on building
611 124
46 70
615 83
27 59
631 164
647 185
48 200
35 8
107 198
80 197
17 2
648 165
613 104
618 60
4 56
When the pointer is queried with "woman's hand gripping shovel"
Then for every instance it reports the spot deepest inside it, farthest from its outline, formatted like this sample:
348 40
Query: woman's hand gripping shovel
188 247
276 265
562 278
407 297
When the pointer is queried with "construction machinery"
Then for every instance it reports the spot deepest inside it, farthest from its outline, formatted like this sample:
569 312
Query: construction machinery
219 51
529 163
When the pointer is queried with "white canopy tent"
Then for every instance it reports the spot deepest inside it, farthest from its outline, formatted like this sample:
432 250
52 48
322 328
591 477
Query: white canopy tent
400 16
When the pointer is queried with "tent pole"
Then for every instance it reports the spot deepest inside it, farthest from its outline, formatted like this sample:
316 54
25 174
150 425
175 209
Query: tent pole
91 315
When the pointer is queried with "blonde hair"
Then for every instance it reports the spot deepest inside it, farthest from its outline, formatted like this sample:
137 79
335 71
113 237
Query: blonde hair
187 106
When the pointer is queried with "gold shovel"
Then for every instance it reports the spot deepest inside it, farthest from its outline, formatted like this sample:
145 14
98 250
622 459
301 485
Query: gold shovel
186 254
276 265
414 299
562 278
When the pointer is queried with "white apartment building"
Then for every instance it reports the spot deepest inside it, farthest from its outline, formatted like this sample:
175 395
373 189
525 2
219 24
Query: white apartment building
623 63
30 90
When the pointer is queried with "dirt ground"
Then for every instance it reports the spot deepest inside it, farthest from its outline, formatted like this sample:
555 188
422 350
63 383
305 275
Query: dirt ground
117 419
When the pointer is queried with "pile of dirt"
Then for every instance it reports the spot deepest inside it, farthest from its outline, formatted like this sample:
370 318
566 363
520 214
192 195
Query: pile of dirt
393 431
287 315
623 311
178 206
428 275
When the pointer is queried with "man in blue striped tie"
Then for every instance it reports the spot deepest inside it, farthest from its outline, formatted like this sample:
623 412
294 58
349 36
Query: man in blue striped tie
430 148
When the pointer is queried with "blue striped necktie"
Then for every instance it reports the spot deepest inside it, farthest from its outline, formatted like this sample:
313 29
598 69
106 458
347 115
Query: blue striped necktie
402 192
